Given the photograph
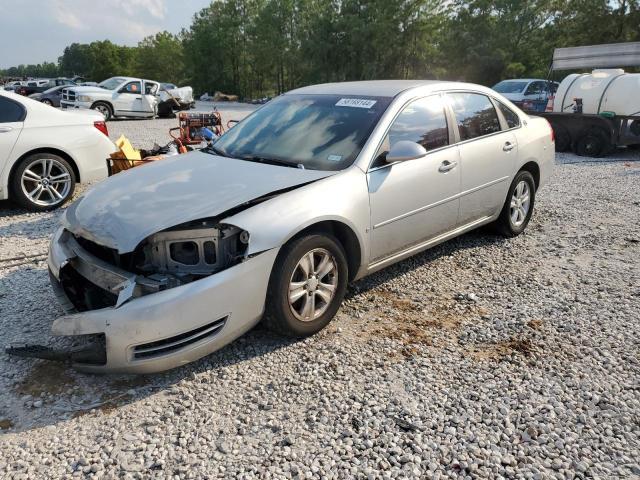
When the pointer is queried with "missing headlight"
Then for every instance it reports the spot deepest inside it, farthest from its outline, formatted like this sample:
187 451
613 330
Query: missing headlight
185 252
196 249
209 253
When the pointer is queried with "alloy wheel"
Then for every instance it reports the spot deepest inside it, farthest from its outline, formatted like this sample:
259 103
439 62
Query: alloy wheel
104 110
46 182
520 203
313 285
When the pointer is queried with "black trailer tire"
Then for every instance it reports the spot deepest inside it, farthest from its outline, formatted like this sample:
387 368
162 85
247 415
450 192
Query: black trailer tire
592 143
563 138
165 110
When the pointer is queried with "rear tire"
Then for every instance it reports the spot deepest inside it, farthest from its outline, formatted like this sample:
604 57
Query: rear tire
307 285
563 139
593 143
42 181
104 108
518 206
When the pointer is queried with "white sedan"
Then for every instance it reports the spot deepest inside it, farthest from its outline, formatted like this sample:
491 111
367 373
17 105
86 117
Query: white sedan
44 152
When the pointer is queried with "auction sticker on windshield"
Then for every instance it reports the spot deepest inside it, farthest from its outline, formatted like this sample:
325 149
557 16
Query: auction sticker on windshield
356 102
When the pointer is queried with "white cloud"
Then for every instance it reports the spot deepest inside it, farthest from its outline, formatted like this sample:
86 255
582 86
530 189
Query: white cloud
67 18
133 17
156 8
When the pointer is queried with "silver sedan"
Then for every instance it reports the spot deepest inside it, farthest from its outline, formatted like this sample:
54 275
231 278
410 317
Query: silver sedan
169 262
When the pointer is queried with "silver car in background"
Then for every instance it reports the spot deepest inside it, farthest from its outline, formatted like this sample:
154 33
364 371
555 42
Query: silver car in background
324 185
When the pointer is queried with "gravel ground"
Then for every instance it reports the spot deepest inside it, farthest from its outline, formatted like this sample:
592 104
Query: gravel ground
481 358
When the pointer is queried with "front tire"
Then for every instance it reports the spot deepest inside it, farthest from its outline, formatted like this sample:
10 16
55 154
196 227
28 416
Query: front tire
104 109
518 207
42 181
307 286
46 101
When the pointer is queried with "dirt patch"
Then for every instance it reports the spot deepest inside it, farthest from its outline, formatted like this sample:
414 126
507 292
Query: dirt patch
106 406
5 424
48 378
121 390
536 324
503 350
129 381
412 323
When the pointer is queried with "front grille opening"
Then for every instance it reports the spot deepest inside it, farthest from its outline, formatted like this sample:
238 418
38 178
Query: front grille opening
106 254
172 344
83 294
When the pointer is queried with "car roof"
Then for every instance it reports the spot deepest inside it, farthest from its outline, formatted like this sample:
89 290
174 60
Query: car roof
523 80
374 88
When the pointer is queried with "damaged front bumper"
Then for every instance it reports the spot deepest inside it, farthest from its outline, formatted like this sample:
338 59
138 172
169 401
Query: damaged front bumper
143 331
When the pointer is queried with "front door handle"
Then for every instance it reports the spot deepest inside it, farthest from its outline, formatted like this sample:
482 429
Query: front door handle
5 129
508 147
447 166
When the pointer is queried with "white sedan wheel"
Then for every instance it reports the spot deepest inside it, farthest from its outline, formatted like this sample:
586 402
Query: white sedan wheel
46 182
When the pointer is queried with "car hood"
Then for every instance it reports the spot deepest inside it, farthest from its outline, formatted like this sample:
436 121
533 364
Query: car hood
125 209
81 89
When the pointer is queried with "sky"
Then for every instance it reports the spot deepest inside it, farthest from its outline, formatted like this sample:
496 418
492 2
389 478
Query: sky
35 31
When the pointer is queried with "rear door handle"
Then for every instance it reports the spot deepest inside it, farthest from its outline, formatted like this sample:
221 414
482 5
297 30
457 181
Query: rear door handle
5 129
447 166
508 147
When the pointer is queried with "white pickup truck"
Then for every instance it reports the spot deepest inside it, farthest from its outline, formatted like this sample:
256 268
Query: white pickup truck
116 97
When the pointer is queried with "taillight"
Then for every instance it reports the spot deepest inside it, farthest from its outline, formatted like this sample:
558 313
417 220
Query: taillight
553 134
102 126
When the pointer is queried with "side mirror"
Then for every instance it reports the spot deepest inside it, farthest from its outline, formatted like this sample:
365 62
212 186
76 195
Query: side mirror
405 150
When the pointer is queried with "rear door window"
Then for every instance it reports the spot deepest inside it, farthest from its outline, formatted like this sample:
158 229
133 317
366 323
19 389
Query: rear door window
475 115
535 88
150 88
11 111
510 116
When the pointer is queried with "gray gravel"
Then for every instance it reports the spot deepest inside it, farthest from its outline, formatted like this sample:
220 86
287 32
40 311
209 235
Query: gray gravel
482 358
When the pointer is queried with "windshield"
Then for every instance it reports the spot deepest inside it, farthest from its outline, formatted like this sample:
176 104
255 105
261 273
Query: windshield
510 87
111 83
318 132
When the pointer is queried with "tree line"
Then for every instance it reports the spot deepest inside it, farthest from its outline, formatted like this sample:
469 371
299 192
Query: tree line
263 47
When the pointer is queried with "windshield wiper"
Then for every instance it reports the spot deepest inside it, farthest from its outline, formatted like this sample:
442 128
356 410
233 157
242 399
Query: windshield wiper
268 161
215 151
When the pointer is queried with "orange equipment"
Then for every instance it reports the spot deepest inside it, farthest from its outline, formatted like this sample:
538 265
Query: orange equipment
190 125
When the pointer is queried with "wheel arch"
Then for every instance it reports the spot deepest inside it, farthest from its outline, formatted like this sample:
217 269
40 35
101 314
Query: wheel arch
52 150
107 103
344 234
534 169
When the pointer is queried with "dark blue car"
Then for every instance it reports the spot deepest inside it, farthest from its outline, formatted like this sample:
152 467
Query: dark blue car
51 96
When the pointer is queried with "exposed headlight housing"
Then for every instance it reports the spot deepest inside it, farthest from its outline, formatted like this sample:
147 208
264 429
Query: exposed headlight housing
201 249
84 98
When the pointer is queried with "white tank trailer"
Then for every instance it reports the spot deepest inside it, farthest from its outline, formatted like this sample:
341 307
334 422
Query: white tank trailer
606 90
592 113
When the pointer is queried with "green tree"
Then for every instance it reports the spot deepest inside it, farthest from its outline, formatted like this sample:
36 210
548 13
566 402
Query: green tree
161 57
